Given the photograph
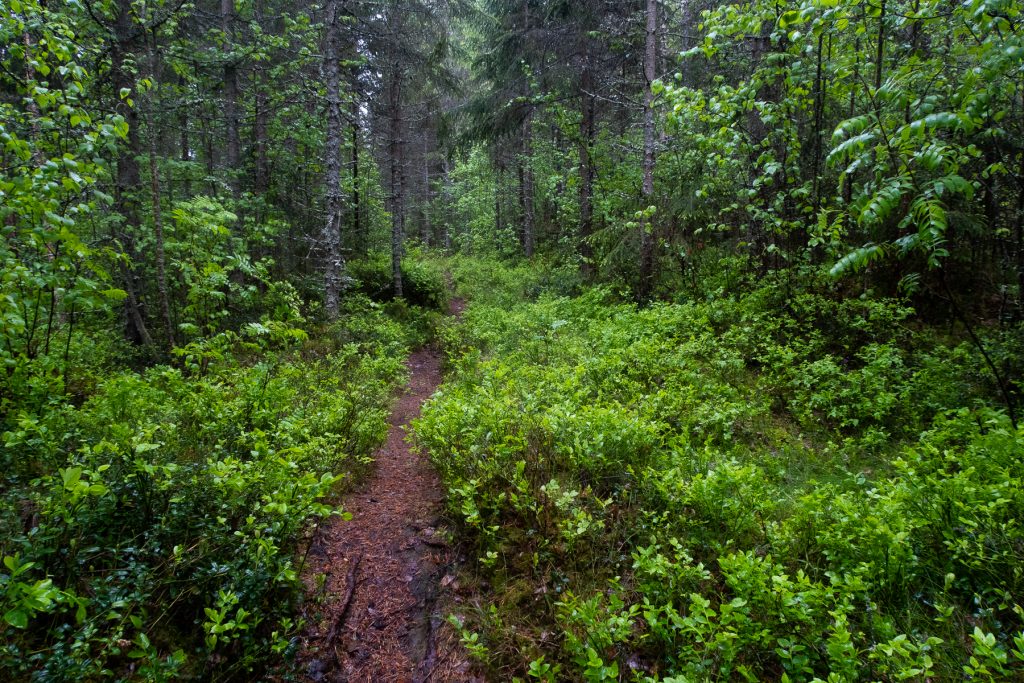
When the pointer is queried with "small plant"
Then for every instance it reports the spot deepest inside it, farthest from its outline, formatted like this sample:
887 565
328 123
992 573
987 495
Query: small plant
178 496
794 494
543 671
470 639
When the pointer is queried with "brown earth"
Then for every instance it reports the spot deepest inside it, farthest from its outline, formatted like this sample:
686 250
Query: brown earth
387 571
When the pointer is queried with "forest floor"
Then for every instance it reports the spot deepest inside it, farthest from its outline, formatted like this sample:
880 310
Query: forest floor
384 576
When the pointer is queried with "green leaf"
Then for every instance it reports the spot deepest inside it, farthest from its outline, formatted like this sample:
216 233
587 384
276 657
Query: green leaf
858 259
789 18
115 294
16 618
71 477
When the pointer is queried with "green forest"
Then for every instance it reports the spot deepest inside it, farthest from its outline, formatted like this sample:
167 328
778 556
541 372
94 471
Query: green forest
727 298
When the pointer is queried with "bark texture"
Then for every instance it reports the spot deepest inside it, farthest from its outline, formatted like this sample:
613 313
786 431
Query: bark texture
526 187
586 169
128 179
646 226
397 197
333 260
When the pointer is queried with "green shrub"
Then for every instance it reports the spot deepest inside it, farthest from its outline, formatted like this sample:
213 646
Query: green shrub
424 282
774 485
506 284
157 536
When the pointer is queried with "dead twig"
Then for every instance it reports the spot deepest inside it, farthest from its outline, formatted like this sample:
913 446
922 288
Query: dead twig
346 602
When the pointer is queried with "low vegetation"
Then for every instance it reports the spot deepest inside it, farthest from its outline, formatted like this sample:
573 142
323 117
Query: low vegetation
775 484
150 523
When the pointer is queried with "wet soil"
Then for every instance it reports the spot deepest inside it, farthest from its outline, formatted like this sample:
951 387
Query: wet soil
381 578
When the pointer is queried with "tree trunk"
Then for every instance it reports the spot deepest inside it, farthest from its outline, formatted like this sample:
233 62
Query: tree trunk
526 186
499 223
184 142
446 235
333 260
426 230
526 193
397 199
261 170
586 171
1019 229
158 219
128 179
646 226
261 175
521 174
880 48
356 208
233 149
819 108
158 228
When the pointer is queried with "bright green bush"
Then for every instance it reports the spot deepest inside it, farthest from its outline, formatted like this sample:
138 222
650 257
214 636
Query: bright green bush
155 535
772 485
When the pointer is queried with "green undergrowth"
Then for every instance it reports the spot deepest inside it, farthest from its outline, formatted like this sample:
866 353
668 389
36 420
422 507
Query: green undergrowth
149 530
778 485
424 279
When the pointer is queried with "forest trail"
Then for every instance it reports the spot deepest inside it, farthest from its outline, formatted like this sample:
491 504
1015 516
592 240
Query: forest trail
385 568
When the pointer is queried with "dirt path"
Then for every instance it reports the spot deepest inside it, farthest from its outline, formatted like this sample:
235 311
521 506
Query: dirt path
386 567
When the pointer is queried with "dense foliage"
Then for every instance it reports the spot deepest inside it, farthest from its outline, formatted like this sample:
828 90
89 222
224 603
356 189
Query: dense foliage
867 137
152 530
177 407
773 484
736 394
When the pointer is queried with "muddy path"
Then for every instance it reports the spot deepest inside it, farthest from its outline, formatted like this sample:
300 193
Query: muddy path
380 616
